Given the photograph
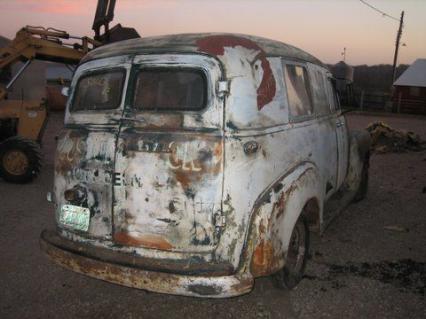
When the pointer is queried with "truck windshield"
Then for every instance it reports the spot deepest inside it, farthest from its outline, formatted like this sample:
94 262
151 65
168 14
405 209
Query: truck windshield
99 91
168 89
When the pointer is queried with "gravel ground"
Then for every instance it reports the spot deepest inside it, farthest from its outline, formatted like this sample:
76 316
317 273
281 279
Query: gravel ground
358 268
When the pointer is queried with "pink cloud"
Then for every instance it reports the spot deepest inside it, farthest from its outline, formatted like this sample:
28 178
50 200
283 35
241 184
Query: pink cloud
77 7
63 7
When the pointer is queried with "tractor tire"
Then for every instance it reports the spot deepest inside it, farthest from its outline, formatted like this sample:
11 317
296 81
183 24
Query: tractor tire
20 160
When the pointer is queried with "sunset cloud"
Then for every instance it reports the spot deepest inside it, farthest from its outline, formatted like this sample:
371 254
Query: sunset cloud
79 7
322 27
65 7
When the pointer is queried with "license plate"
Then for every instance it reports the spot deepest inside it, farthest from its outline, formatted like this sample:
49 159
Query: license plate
75 217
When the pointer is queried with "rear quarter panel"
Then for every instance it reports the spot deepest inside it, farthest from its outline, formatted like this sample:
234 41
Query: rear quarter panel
248 177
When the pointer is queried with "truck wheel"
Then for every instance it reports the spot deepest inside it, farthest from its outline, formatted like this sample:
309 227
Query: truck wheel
20 160
297 255
363 186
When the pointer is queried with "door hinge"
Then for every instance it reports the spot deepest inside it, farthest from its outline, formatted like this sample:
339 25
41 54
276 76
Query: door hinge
219 220
222 88
219 224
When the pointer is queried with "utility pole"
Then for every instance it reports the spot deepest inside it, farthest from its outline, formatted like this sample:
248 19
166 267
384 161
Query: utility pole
398 38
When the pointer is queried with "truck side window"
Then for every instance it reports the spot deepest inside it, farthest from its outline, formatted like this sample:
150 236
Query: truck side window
298 93
321 105
99 91
334 100
170 89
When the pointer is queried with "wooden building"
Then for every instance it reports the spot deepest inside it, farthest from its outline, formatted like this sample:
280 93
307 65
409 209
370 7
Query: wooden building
409 94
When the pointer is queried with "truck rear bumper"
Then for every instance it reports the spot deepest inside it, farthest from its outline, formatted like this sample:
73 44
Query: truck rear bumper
64 253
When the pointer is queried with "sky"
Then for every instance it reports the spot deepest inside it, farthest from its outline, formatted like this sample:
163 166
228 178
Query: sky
320 27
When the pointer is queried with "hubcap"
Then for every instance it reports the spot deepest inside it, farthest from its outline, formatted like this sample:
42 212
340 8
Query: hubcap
15 162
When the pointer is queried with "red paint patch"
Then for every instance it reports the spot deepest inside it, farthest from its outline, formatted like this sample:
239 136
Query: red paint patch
216 44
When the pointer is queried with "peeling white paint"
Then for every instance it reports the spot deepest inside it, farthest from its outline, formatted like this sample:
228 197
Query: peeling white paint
181 186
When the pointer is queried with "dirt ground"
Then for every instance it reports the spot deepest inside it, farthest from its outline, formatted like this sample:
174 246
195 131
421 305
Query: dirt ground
370 263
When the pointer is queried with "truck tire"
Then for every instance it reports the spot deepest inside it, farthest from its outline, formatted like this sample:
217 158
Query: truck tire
292 273
20 160
363 186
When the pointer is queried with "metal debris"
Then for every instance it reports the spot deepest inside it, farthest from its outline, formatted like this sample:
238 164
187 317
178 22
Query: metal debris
386 139
396 228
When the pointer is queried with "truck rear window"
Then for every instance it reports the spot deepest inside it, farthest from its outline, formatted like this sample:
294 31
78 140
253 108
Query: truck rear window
99 91
161 89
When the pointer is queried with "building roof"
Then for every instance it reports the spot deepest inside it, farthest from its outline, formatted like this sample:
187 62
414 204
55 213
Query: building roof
187 43
415 75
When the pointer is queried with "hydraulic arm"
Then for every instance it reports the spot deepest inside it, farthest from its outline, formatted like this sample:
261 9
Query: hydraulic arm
43 44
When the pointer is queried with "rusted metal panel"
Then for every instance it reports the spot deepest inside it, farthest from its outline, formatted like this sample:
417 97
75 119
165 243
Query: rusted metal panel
84 163
185 265
85 155
171 170
170 192
197 286
188 43
214 192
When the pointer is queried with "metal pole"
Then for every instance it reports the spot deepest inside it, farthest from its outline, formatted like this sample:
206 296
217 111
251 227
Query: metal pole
399 102
18 74
398 38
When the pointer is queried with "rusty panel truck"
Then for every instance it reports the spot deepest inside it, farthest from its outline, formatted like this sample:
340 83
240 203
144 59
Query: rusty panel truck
193 164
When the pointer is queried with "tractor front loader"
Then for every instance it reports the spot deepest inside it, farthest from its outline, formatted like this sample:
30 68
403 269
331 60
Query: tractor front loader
22 121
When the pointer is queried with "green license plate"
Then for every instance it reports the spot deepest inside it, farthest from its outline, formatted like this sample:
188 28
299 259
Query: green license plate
75 217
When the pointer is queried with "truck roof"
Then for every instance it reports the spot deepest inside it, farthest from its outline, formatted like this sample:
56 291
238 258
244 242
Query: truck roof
190 43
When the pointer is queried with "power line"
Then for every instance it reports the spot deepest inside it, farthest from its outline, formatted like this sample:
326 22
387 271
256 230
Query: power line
378 10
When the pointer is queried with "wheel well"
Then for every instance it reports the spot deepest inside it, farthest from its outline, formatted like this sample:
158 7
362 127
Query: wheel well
8 128
311 211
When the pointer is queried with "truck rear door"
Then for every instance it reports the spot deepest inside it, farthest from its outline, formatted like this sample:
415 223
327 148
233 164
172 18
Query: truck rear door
169 161
85 155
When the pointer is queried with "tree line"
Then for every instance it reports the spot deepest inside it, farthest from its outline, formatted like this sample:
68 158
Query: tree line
375 78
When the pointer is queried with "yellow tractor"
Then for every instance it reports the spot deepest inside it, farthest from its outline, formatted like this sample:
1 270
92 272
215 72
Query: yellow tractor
22 122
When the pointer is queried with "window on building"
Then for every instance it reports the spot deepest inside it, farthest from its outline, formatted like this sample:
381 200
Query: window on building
414 91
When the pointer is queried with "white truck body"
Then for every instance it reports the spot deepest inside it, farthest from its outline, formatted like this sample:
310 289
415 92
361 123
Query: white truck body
198 200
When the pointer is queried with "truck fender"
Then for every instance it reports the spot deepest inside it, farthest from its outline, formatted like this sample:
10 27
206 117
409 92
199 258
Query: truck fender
275 213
